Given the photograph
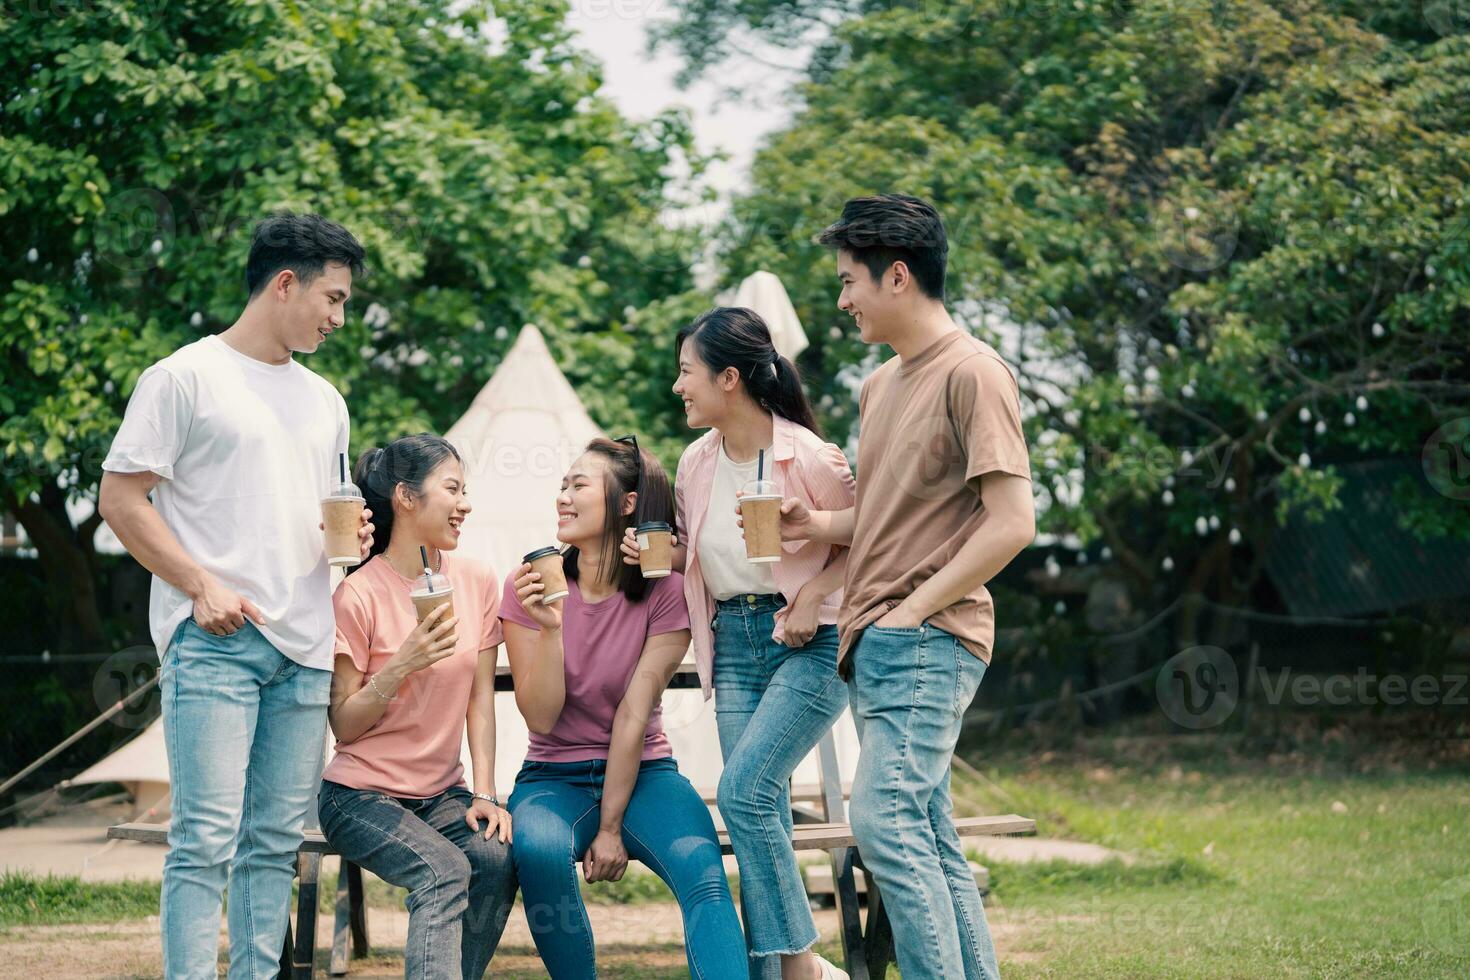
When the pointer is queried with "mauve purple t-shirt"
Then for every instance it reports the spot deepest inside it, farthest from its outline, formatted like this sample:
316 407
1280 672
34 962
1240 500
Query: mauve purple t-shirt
601 644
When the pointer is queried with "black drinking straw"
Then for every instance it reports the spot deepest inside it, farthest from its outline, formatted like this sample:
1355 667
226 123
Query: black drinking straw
760 466
342 466
428 575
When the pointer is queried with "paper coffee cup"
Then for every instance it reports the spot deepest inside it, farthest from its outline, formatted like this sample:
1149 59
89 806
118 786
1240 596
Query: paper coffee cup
655 549
547 562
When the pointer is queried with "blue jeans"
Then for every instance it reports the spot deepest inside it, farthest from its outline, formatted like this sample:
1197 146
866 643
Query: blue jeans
461 887
244 727
773 703
555 809
910 689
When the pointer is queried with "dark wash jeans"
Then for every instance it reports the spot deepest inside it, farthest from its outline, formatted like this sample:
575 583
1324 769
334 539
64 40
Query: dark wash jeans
461 887
555 808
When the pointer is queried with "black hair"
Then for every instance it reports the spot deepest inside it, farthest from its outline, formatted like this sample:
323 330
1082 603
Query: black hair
303 243
734 337
378 473
879 231
625 466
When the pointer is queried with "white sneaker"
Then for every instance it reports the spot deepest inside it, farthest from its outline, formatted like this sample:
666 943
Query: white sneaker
830 972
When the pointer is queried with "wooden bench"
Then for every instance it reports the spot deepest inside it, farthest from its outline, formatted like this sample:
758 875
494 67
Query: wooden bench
869 946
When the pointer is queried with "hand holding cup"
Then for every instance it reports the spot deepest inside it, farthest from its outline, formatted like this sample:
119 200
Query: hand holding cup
529 589
431 641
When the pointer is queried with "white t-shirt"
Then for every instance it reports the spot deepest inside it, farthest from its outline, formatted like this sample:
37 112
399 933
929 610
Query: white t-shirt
727 572
246 450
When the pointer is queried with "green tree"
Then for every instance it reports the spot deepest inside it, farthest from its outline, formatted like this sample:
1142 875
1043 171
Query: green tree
1225 241
465 143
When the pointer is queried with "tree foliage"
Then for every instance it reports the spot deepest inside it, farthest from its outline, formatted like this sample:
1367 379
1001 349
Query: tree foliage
465 143
1225 241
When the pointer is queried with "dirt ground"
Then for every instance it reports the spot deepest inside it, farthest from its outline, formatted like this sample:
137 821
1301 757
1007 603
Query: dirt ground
632 939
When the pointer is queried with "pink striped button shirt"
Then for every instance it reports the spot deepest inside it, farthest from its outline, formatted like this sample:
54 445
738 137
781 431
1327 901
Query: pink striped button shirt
805 467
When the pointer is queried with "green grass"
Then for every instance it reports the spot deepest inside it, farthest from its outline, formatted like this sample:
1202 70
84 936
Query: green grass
1296 864
29 900
1313 853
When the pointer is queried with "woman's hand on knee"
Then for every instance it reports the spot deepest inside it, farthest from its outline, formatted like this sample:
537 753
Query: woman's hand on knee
606 859
497 819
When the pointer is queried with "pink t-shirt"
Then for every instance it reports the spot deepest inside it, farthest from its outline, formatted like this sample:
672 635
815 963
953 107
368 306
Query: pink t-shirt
413 750
601 645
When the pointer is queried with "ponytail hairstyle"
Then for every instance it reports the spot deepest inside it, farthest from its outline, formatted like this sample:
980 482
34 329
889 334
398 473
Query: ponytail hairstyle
628 469
734 337
378 473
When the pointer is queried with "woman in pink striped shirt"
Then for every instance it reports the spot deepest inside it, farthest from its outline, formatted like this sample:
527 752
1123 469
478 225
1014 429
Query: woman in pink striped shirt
765 634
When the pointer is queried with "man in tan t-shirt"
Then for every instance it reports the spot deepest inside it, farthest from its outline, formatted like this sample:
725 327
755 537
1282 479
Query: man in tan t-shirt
943 504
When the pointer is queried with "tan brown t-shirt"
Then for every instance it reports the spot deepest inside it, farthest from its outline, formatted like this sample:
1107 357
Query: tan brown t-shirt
930 428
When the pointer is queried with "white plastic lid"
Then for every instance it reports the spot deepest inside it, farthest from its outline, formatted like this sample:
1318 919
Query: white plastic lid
436 583
759 488
348 489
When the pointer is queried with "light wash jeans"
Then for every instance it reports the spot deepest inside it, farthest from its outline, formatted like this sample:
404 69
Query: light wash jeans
909 690
244 727
461 886
773 703
555 809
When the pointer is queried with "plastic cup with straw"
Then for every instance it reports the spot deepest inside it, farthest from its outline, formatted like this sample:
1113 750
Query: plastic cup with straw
760 511
342 519
433 592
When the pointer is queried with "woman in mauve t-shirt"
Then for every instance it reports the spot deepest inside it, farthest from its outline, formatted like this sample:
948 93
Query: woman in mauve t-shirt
600 782
393 799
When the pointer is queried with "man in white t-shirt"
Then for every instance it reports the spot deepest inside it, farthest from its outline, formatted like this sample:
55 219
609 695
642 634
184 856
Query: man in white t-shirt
237 443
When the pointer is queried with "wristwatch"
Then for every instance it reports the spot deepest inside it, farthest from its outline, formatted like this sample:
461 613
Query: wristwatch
487 798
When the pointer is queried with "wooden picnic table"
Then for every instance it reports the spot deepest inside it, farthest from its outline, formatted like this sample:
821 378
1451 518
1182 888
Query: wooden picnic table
868 946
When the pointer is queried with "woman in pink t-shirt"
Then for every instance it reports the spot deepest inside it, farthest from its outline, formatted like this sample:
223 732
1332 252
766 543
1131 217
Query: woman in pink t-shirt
600 782
393 798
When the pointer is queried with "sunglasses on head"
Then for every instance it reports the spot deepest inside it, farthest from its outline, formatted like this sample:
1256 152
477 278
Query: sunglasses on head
632 440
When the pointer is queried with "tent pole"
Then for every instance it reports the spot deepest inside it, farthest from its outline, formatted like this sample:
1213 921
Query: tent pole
76 735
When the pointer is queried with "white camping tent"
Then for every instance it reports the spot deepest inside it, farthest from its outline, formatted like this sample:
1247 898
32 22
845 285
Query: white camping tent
762 292
141 765
518 438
